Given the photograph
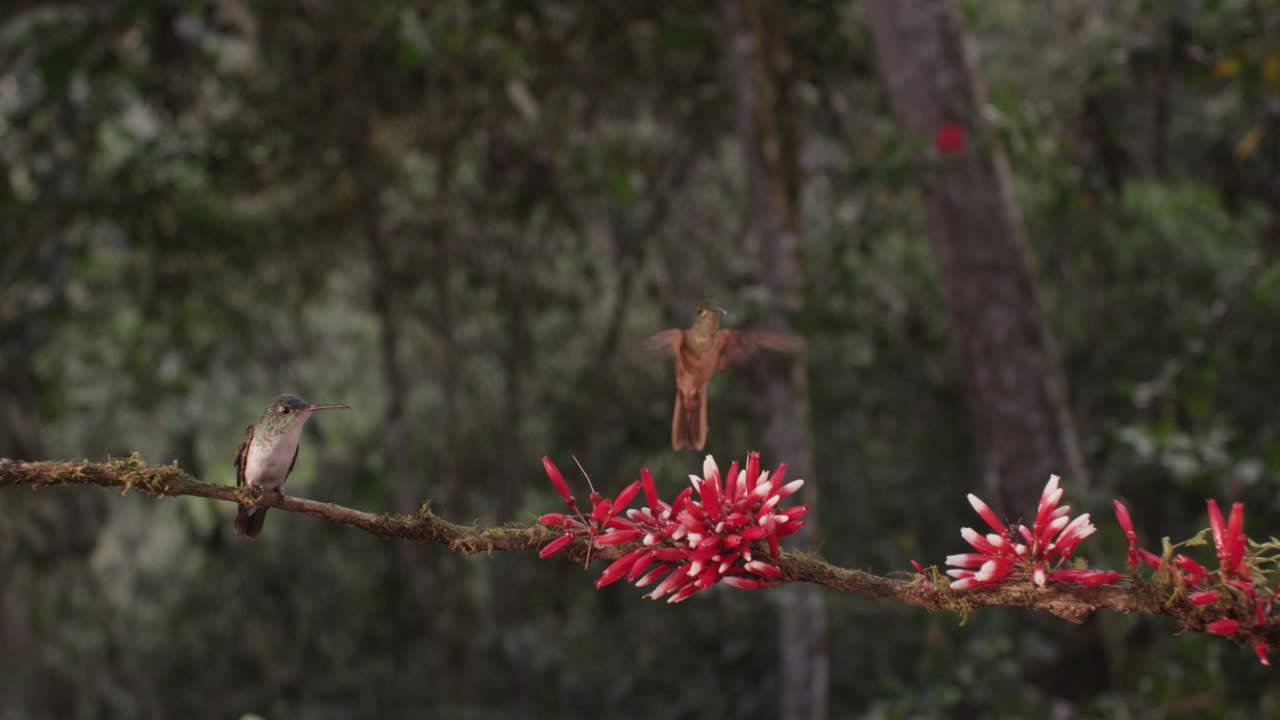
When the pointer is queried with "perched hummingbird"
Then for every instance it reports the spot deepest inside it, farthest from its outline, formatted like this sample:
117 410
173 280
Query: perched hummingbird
699 352
268 452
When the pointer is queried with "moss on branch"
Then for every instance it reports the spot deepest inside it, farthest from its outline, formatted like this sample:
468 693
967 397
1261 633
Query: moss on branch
1070 602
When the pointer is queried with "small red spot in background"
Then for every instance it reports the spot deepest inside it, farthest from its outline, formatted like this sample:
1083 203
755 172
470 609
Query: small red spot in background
950 139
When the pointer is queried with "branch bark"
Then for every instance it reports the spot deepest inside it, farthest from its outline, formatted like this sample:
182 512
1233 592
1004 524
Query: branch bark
1071 602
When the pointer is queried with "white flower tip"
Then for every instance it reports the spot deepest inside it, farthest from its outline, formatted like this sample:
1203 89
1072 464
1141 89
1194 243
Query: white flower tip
790 488
695 568
965 584
976 502
709 467
1056 497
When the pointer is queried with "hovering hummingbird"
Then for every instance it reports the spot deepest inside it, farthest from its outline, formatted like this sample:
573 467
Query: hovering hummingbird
268 452
699 352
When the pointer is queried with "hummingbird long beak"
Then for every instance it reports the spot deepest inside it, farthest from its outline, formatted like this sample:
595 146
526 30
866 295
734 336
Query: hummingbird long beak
314 408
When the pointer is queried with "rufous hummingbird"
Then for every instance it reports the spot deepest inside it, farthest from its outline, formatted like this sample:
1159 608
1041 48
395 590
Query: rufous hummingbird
267 454
699 352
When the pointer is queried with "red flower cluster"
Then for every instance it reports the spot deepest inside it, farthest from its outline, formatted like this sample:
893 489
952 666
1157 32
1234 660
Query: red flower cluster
949 139
1234 585
694 542
1035 552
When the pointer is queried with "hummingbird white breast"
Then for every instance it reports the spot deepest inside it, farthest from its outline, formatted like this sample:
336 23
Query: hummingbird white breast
269 458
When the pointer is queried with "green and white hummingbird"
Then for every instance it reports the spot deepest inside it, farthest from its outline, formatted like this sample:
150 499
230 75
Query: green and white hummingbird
268 452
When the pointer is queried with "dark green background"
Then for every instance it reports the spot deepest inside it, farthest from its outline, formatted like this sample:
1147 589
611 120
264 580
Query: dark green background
188 192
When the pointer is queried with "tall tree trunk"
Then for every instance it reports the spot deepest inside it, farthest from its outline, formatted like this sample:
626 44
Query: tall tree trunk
404 490
452 611
1015 386
768 130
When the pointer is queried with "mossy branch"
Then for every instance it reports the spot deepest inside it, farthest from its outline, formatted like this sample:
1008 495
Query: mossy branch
1071 602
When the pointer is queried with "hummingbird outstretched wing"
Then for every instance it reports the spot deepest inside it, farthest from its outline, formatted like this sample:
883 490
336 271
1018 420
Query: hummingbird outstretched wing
738 345
242 456
666 342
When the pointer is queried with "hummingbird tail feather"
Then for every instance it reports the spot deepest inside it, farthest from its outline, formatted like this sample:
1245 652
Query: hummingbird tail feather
702 418
249 520
689 421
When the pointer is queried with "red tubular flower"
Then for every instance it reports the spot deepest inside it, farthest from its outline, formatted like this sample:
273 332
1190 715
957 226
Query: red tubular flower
1036 552
620 567
925 580
557 480
555 546
1150 558
617 537
746 583
987 514
701 538
650 492
626 496
1088 578
1126 525
1223 626
1215 524
1207 589
1235 540
653 575
1203 597
1195 573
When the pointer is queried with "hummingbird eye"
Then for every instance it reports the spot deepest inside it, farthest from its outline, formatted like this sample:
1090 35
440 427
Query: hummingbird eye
285 410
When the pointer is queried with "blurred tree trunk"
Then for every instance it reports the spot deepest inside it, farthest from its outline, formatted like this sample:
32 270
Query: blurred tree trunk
451 610
515 358
394 387
1015 386
768 123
